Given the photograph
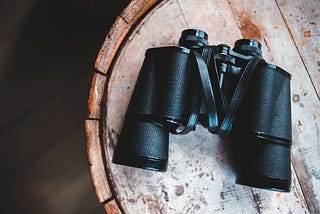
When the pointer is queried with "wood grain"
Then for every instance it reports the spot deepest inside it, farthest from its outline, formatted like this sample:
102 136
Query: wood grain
96 95
111 44
113 40
303 20
199 177
118 32
95 159
135 10
112 207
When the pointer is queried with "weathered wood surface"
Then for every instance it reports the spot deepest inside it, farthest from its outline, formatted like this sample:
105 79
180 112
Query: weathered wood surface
282 46
199 178
302 19
95 158
120 29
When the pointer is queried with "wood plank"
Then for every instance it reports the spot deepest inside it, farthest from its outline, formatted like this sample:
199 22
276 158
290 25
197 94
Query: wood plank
96 95
95 158
135 10
303 21
112 208
205 21
119 31
305 103
183 188
112 42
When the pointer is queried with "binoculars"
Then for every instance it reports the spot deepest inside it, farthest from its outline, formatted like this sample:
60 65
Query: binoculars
232 92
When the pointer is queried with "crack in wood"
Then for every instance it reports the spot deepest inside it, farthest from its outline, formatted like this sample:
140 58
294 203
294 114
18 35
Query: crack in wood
108 200
103 127
257 201
99 72
183 15
318 137
304 192
123 19
296 46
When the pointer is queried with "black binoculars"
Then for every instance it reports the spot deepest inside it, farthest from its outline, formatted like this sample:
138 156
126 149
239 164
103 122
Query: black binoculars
232 92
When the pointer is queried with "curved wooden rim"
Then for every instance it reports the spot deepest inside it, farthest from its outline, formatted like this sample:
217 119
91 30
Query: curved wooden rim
121 28
97 135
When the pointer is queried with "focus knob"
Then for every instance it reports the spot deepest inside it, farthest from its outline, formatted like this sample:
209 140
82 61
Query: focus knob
193 38
248 47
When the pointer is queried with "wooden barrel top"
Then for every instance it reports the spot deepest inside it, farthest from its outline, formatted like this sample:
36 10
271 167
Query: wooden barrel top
199 178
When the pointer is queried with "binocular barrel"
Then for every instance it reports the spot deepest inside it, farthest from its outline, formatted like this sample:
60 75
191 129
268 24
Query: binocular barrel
263 130
157 105
162 97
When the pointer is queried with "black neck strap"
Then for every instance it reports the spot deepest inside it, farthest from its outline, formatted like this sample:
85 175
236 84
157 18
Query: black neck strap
208 87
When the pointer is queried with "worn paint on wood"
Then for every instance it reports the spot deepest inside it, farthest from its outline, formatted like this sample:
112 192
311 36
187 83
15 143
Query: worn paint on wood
112 207
119 30
199 178
95 159
96 95
303 20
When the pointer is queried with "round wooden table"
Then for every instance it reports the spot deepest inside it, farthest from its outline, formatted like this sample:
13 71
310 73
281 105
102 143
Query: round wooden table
199 178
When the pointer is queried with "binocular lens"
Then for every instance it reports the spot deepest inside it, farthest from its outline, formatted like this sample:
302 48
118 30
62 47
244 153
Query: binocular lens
143 145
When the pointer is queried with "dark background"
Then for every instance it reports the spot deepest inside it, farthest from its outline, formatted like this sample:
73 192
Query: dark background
47 52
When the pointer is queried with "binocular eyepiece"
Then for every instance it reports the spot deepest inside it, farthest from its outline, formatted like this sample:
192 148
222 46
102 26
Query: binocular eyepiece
232 92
